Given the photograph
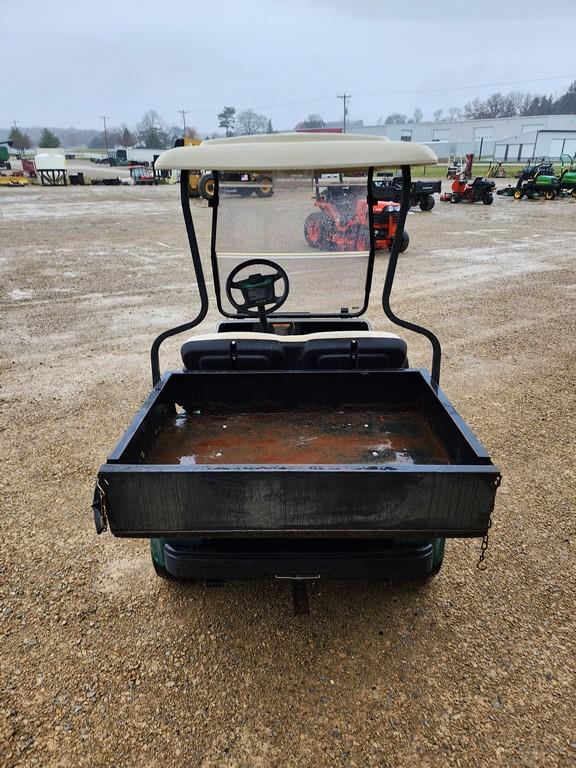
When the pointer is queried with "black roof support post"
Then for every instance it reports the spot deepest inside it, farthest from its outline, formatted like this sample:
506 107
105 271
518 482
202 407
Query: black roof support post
197 262
391 271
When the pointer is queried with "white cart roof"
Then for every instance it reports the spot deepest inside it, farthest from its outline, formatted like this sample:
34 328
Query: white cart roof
296 152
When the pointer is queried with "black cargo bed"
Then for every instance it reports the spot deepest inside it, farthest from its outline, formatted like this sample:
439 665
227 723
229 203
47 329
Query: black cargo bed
428 476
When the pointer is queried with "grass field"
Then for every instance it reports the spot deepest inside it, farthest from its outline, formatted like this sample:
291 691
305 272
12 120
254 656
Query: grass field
478 169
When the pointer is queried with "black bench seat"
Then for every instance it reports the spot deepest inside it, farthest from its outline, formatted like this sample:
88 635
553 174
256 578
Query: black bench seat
330 350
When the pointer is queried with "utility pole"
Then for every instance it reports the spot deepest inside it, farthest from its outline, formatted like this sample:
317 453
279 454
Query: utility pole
345 97
184 112
104 118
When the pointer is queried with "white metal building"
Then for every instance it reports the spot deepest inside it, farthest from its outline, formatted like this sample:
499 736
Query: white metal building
504 138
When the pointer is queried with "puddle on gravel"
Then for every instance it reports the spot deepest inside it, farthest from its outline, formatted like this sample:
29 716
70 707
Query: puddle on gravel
19 294
120 576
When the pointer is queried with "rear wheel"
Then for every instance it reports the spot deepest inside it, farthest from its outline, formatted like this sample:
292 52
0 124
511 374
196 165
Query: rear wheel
427 203
193 186
549 194
573 193
405 242
438 546
315 230
266 188
455 197
488 198
207 186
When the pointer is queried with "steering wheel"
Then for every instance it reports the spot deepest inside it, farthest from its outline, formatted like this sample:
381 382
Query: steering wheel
258 290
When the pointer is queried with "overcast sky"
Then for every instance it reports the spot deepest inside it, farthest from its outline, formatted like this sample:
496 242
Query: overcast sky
67 62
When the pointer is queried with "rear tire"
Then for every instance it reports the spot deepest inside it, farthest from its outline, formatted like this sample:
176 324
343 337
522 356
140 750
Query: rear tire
266 188
315 229
207 186
573 193
438 557
488 198
549 194
405 242
427 203
455 197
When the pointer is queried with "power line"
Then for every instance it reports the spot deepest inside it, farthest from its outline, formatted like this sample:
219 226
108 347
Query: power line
326 97
345 97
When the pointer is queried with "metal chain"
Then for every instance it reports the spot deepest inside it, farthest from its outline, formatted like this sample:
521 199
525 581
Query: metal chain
481 565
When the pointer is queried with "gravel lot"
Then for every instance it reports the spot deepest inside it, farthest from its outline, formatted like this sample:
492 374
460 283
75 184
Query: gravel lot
104 664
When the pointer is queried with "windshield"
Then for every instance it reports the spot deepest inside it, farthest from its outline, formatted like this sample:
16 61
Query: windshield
314 227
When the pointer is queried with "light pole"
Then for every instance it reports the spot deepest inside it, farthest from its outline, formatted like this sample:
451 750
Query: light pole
104 118
184 112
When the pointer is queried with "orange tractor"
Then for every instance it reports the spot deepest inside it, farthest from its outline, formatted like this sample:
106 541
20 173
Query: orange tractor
341 222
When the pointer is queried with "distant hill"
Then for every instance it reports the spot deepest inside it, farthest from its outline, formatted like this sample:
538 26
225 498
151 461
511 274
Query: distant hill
69 137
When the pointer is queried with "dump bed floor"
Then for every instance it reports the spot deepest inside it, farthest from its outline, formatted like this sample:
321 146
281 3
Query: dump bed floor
348 435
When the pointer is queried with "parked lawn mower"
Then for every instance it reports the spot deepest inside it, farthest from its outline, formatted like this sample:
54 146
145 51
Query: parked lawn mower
567 177
421 192
536 165
295 443
463 190
342 220
534 184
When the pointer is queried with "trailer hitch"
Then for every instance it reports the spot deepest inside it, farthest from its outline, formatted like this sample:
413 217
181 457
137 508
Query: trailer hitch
300 602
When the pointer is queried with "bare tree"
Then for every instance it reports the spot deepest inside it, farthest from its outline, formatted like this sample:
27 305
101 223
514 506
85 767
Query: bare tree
417 116
395 119
438 115
152 130
249 122
313 121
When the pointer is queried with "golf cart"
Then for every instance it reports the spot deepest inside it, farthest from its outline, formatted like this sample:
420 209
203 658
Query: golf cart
296 442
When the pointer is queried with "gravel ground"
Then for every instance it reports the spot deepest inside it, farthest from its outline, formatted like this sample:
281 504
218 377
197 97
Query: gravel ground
104 664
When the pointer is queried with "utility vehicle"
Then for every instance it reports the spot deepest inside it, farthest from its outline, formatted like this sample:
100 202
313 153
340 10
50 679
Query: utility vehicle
341 221
421 192
296 442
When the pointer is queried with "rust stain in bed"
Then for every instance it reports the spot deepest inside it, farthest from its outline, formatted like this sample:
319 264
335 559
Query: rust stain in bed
350 436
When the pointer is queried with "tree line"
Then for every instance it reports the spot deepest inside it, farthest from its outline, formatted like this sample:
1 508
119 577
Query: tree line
519 104
153 133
